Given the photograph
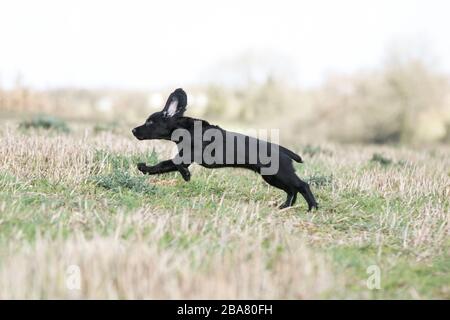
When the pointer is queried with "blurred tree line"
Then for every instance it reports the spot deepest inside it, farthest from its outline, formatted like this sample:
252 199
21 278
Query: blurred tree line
405 101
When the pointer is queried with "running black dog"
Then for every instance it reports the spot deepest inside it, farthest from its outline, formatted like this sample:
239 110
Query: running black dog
209 145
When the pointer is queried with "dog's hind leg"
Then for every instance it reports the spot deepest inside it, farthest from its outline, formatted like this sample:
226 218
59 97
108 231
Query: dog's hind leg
276 181
305 191
290 200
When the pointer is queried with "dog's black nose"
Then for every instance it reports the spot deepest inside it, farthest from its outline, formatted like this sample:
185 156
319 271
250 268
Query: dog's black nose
134 131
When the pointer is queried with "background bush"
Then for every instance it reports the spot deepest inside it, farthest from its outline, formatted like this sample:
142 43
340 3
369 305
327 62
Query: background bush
45 122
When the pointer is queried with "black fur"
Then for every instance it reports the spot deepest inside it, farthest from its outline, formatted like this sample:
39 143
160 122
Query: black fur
161 125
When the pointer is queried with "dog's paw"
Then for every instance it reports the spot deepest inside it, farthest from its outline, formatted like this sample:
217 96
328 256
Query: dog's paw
142 167
185 174
284 206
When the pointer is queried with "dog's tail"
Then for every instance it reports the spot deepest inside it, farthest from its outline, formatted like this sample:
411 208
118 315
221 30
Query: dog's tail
292 155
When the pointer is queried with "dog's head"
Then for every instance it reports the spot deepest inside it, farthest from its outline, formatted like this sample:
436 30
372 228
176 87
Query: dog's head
160 125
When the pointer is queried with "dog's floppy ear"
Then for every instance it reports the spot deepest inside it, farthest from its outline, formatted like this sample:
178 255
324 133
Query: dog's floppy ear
176 104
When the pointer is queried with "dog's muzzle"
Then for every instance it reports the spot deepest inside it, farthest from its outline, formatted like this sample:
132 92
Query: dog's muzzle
135 133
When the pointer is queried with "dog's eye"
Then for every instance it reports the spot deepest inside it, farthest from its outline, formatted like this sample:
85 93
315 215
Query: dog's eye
149 122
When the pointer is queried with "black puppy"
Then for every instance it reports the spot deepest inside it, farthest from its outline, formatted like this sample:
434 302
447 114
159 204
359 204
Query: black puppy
209 145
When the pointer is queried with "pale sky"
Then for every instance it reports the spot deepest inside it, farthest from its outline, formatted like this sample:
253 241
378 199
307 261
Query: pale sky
155 44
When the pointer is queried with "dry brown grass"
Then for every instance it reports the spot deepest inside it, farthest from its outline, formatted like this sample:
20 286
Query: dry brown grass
138 268
218 236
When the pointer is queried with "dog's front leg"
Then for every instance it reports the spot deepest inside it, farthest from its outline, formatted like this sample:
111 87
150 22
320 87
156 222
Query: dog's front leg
164 167
184 171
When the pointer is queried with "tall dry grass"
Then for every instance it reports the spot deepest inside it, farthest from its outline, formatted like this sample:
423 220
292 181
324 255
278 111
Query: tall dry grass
179 245
139 268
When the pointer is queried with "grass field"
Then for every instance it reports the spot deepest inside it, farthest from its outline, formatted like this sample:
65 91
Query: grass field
77 199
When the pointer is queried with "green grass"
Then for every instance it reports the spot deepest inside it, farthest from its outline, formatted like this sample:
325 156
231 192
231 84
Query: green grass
372 212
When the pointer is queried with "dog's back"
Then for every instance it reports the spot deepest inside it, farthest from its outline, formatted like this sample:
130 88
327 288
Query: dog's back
236 149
